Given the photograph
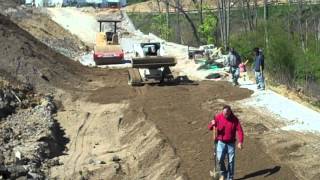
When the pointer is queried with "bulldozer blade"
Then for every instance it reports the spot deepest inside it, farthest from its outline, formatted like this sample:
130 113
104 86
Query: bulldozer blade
153 62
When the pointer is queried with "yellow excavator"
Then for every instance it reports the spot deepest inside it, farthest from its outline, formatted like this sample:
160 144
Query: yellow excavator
107 49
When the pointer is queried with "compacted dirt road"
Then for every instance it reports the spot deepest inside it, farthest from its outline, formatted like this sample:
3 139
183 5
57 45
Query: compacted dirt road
182 112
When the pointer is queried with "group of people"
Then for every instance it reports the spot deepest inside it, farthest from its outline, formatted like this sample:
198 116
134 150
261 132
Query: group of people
226 127
237 66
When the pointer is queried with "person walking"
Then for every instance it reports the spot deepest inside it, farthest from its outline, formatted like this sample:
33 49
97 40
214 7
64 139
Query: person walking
233 61
225 126
258 68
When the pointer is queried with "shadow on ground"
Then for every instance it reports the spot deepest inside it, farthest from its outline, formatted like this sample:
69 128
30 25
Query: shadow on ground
264 172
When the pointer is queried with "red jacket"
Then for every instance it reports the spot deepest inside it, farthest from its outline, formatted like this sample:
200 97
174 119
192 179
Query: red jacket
227 128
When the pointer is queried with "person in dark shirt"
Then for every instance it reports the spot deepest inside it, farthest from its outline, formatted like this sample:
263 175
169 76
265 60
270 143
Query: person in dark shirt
259 68
234 60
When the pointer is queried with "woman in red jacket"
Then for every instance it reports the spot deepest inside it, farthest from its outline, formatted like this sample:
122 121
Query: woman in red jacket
225 126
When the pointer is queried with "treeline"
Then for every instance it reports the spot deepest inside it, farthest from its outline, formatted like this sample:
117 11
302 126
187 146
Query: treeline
290 38
289 35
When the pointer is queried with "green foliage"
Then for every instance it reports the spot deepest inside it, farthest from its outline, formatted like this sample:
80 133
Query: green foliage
285 61
152 22
159 26
244 43
281 55
208 28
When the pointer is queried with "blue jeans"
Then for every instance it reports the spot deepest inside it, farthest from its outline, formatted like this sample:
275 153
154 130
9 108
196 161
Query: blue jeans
224 149
259 79
235 72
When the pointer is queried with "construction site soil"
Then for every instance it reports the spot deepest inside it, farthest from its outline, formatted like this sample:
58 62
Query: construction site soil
114 131
29 61
181 113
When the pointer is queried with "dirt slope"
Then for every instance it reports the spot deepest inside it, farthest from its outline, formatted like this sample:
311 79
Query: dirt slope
106 145
38 24
29 61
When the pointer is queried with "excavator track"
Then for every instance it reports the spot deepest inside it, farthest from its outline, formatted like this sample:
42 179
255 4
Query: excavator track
134 78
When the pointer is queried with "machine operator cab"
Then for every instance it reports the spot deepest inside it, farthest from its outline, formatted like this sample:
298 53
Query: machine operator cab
151 49
148 49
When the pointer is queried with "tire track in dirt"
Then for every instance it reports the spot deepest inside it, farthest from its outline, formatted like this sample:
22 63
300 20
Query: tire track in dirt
82 141
139 91
80 138
94 138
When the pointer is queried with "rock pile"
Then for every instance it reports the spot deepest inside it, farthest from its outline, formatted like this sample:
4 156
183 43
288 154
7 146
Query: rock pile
12 98
29 140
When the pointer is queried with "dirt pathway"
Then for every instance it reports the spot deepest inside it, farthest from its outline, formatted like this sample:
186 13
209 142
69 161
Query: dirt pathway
84 25
181 113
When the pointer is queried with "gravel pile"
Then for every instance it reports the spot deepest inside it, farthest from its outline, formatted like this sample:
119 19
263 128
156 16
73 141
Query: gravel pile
13 98
30 139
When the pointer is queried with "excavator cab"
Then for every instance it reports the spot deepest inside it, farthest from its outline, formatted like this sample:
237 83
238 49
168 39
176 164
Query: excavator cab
151 49
107 49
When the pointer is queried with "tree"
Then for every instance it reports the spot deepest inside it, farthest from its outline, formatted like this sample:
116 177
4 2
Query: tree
265 17
159 25
188 18
208 28
178 28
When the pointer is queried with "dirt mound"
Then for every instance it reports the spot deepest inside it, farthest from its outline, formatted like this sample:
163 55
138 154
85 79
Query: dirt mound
37 22
29 61
8 3
105 145
151 154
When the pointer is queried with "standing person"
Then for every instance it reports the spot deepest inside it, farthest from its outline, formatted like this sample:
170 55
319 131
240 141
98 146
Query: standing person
243 70
258 68
225 126
234 60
